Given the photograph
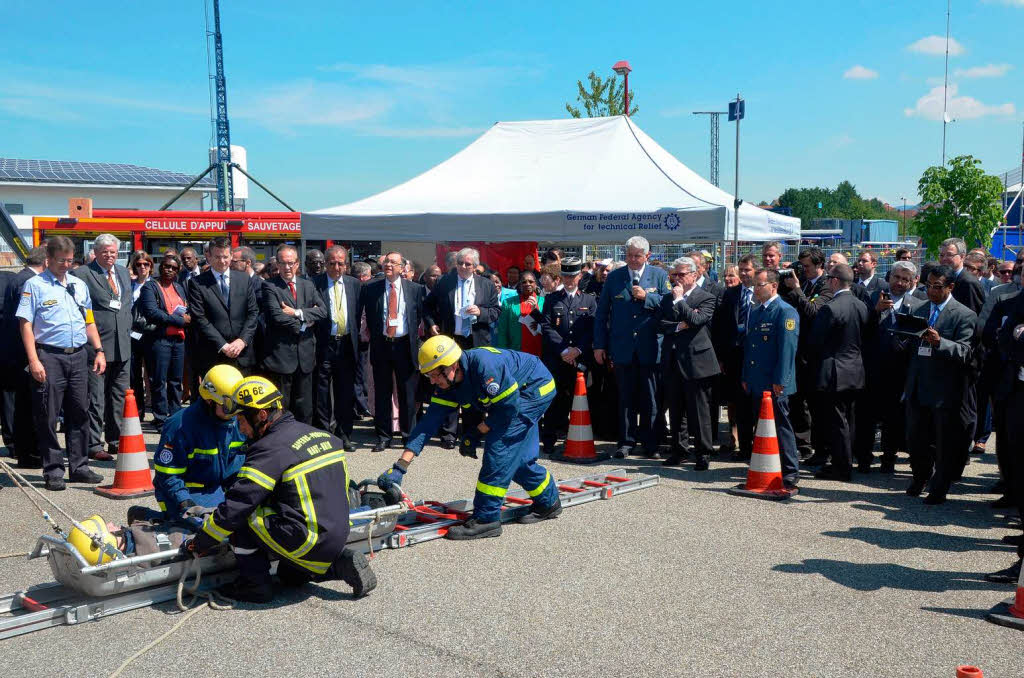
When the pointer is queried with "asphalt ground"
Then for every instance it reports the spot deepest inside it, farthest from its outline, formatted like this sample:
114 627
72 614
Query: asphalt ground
846 579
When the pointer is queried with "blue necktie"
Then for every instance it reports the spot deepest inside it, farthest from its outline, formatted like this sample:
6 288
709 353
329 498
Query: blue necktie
934 316
224 291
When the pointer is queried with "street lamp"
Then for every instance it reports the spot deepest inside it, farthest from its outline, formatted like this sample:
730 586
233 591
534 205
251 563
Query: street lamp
623 69
904 199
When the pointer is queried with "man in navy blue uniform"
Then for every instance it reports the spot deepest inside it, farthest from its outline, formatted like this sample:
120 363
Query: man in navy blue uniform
769 364
513 390
626 332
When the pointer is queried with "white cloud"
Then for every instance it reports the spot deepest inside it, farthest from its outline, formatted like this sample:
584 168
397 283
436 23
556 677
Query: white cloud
433 77
308 103
929 106
989 71
936 45
841 141
1012 3
859 72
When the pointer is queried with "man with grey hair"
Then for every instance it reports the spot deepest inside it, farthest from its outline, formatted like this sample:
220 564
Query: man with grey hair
886 355
690 364
625 333
449 262
110 287
242 259
462 306
967 289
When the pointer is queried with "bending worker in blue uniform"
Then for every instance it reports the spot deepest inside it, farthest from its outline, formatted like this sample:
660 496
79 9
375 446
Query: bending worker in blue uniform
200 450
513 390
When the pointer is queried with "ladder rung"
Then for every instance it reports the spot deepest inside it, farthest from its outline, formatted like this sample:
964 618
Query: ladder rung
616 479
569 488
594 483
518 500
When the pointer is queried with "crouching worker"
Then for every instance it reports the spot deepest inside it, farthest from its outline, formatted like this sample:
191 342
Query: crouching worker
200 452
512 390
288 502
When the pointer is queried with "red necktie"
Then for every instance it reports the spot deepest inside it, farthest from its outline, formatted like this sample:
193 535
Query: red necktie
392 310
295 296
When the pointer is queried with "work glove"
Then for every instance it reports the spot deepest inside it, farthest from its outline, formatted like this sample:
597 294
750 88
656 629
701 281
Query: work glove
468 446
194 515
393 476
188 546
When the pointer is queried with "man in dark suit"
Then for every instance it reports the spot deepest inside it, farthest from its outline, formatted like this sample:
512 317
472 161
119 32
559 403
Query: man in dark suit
224 313
337 347
867 262
8 381
463 306
15 361
292 308
886 355
394 308
567 324
110 287
835 345
1002 377
728 329
937 380
189 265
1010 338
690 363
805 410
625 331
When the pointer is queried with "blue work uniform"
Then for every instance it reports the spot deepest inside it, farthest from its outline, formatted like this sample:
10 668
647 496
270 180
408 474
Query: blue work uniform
198 457
514 389
769 357
59 313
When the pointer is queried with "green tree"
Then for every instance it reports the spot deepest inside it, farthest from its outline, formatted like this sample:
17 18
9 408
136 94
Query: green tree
843 202
604 98
959 201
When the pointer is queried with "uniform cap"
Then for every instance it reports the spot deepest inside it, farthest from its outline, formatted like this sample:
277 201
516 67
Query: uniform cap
571 265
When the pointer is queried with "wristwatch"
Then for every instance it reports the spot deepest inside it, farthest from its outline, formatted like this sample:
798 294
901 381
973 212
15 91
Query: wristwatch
99 350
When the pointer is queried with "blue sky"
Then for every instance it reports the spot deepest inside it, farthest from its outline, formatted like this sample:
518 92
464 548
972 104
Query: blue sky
335 101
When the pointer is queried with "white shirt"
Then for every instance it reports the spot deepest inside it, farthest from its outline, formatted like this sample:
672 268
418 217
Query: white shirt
898 303
867 280
338 298
639 275
768 303
699 283
465 294
400 328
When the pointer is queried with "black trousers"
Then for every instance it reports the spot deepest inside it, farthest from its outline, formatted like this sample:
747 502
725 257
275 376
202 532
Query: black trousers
801 416
106 401
26 438
838 409
637 399
66 387
450 427
296 393
689 403
136 381
7 399
556 420
392 364
934 435
165 364
335 387
1014 468
362 367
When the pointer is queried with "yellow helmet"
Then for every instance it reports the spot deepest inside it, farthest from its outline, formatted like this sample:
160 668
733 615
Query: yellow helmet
257 393
84 544
218 384
439 351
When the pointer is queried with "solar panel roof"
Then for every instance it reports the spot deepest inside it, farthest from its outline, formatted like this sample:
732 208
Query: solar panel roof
69 172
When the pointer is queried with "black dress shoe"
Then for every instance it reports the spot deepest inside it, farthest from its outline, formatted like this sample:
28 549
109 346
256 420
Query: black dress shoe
55 484
474 529
887 466
87 476
349 446
816 459
651 454
933 499
449 443
623 452
832 473
675 459
864 467
1003 502
100 455
740 457
1013 539
701 464
915 488
725 450
381 446
1008 576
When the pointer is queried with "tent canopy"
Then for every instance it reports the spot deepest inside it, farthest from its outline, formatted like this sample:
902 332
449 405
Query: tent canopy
593 180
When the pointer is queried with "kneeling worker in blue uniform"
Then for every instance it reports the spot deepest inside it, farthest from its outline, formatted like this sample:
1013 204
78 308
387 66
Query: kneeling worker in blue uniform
200 451
513 390
289 500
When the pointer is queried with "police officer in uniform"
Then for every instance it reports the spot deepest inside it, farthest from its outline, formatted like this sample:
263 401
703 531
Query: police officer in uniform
200 449
568 327
56 322
289 499
513 389
769 364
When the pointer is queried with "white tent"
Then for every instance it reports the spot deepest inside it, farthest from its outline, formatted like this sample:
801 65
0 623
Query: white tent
593 180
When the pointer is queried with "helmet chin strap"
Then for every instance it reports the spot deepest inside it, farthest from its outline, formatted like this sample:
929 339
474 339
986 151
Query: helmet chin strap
260 428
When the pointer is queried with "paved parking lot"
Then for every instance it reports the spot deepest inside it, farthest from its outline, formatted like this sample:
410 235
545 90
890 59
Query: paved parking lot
681 579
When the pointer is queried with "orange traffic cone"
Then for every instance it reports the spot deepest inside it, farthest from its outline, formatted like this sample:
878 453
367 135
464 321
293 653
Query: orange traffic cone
1010 612
132 477
968 672
579 443
764 478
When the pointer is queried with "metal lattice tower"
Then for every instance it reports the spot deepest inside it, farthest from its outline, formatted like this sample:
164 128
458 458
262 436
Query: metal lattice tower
225 192
714 141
